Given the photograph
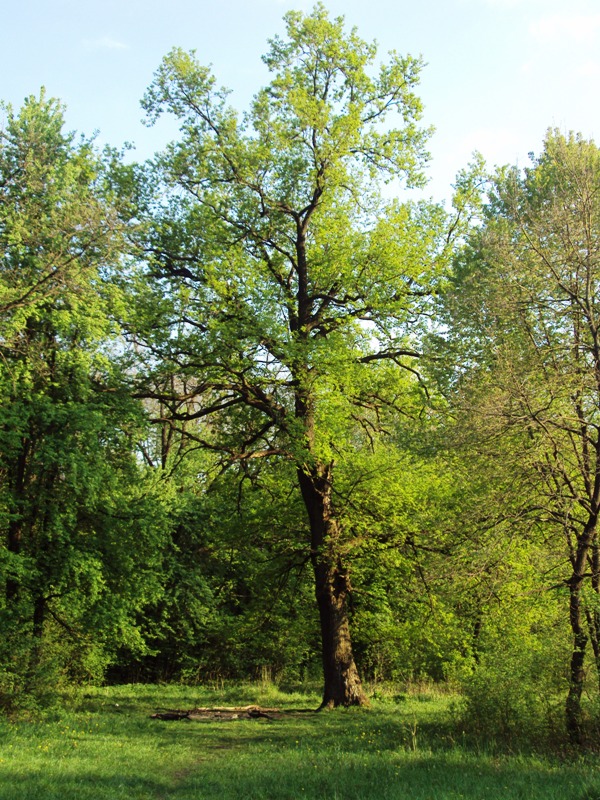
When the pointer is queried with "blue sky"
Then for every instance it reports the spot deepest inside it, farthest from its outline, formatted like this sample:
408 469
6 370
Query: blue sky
498 74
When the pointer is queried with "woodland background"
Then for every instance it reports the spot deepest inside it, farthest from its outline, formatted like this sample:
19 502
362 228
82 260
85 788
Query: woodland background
253 371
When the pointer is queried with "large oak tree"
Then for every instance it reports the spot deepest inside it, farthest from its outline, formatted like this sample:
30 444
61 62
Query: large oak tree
287 290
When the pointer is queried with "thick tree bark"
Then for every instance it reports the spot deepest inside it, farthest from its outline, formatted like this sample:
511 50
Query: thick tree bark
342 684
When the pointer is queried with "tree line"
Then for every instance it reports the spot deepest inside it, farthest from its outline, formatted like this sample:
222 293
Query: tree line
246 376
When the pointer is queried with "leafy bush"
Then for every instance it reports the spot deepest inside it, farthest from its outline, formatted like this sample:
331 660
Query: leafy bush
514 692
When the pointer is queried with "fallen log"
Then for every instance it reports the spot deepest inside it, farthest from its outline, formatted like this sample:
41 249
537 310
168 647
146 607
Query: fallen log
176 715
220 712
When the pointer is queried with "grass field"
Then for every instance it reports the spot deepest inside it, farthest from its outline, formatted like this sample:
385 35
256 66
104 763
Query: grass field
105 746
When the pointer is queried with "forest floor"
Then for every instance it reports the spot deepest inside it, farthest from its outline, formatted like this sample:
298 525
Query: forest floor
105 744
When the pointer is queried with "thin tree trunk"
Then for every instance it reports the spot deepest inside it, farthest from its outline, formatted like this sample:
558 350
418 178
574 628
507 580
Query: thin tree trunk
15 526
477 635
579 560
15 536
342 684
593 616
577 673
35 654
593 623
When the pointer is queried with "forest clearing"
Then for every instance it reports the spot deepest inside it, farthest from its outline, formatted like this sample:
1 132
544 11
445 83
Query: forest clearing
267 414
405 747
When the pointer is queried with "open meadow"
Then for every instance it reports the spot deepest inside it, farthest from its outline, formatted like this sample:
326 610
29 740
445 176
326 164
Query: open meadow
104 745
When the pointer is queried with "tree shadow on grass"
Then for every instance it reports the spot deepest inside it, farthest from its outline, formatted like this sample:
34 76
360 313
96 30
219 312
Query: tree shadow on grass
425 777
407 776
89 787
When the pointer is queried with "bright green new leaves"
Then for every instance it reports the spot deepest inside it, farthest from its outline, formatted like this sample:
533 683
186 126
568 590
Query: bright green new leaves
298 292
53 223
281 244
326 99
526 310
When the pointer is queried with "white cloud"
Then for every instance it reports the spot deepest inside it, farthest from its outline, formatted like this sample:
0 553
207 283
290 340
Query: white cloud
528 67
104 43
577 27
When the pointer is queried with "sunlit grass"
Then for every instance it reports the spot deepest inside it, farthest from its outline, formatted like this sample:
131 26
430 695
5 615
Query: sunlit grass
108 747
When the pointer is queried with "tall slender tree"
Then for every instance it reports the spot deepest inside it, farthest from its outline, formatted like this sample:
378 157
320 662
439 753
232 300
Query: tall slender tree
527 315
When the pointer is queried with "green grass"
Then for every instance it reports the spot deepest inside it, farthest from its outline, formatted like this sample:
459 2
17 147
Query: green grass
106 747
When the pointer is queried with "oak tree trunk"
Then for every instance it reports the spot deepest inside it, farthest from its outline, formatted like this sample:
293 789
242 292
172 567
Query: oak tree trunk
342 684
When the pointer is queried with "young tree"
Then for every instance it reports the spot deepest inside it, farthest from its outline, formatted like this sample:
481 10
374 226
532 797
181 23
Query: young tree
526 309
289 293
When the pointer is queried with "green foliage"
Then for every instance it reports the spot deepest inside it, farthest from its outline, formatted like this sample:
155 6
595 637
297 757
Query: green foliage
80 543
524 327
230 298
235 600
217 377
513 687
